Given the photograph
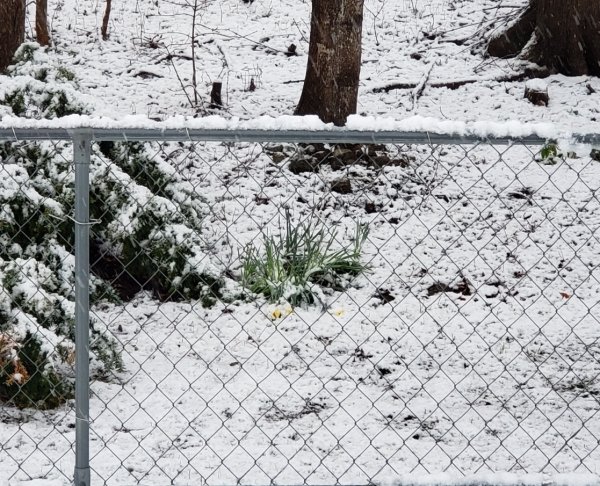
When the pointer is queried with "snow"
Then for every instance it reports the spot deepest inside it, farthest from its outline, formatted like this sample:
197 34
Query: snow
504 382
499 479
482 129
537 85
289 123
38 482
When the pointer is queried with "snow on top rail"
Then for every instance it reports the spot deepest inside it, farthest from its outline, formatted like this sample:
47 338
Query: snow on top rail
498 478
358 129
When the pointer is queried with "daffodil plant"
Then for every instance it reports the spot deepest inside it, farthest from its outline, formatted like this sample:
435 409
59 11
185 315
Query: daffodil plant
305 255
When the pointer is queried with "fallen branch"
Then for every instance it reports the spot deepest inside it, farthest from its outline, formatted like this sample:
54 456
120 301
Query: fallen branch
170 56
418 90
527 74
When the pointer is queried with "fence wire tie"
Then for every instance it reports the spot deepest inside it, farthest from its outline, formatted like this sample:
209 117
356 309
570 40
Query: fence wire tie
91 222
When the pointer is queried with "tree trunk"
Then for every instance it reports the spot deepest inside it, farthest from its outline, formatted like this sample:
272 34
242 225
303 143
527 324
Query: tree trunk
216 101
563 35
106 19
42 33
334 58
12 29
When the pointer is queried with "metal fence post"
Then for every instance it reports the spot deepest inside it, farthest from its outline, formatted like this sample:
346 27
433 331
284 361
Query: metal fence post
81 158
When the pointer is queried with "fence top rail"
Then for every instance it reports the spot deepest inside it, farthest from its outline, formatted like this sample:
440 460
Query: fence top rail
359 129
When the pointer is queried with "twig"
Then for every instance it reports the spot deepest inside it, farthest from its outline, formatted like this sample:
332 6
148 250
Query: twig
183 87
419 88
300 31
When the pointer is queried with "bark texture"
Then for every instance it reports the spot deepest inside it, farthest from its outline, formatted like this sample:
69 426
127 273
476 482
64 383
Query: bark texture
334 58
106 19
12 29
563 35
42 33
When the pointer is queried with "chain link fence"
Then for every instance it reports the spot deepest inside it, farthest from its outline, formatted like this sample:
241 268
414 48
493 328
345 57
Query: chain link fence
296 307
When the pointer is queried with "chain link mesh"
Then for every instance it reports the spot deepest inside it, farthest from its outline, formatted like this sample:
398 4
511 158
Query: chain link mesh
446 321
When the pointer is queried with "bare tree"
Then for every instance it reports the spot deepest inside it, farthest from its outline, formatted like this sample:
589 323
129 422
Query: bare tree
194 7
12 29
334 60
563 35
42 32
193 10
106 19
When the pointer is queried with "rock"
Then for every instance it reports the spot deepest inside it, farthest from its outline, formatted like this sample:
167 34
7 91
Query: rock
273 148
536 91
342 186
298 166
347 155
341 157
278 157
402 161
321 156
336 164
315 147
344 154
380 161
291 50
595 155
370 207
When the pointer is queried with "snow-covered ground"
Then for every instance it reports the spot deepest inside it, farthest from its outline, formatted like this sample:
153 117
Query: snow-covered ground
237 41
393 378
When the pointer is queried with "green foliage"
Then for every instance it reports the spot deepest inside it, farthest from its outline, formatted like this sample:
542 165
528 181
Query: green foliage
41 74
25 53
164 254
149 223
549 150
550 154
156 175
62 73
302 256
36 269
16 102
36 97
132 158
57 104
39 102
